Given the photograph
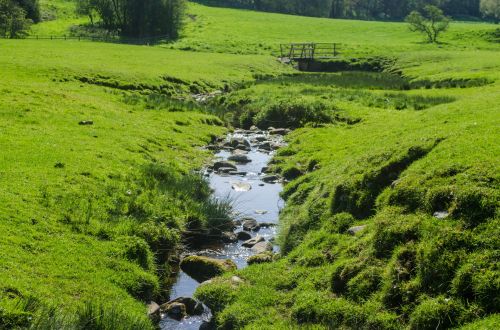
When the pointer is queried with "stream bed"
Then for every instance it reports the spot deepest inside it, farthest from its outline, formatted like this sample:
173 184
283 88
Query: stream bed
254 195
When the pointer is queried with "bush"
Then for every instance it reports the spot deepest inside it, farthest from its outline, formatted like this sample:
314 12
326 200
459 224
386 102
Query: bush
293 114
13 21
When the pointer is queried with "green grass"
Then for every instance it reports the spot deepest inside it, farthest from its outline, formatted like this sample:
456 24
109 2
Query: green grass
86 210
244 31
387 152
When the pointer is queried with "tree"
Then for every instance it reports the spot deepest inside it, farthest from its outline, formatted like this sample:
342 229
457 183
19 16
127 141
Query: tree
432 23
137 18
87 8
31 7
13 21
491 8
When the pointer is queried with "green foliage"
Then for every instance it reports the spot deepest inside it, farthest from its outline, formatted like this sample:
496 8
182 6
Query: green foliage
135 18
436 312
14 22
216 296
432 24
490 8
381 9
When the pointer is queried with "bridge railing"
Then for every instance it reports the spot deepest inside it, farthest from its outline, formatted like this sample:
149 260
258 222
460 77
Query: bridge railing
302 51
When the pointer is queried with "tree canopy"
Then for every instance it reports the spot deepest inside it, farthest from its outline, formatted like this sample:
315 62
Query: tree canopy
364 9
14 19
432 23
136 18
491 8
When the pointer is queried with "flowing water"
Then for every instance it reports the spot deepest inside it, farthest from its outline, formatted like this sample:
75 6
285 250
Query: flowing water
262 202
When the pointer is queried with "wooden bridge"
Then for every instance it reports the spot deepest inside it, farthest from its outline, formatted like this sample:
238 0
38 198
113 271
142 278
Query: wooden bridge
309 51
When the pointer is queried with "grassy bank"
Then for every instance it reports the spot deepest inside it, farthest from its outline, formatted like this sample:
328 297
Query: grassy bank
95 170
392 168
392 206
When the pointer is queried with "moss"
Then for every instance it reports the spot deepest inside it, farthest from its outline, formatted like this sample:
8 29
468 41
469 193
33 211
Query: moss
361 286
475 205
216 295
203 268
435 313
478 280
291 173
261 258
393 229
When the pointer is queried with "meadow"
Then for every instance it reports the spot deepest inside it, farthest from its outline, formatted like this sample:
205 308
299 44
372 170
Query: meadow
101 143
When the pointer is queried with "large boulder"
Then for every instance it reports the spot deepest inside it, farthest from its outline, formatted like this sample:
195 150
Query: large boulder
241 186
266 146
243 236
262 247
224 164
279 131
154 312
251 242
229 237
236 142
192 306
250 224
203 268
354 230
239 158
175 310
270 178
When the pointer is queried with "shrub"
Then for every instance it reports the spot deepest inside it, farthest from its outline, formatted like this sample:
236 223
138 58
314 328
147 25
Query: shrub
293 114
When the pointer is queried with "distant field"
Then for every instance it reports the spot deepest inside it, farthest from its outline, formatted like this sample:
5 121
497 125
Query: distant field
243 31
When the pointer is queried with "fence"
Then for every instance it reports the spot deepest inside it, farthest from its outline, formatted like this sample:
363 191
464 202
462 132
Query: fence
309 51
109 39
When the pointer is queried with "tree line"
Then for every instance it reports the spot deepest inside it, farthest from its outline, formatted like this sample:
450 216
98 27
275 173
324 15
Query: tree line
366 9
16 16
136 18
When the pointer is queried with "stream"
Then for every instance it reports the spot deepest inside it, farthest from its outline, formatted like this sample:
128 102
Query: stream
253 194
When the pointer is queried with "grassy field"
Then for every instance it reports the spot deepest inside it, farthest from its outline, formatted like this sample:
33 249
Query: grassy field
80 204
87 209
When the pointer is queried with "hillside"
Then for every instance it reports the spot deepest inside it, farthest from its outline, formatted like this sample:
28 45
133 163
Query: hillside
101 142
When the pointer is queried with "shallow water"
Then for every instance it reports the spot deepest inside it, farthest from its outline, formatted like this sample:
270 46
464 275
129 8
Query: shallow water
262 202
